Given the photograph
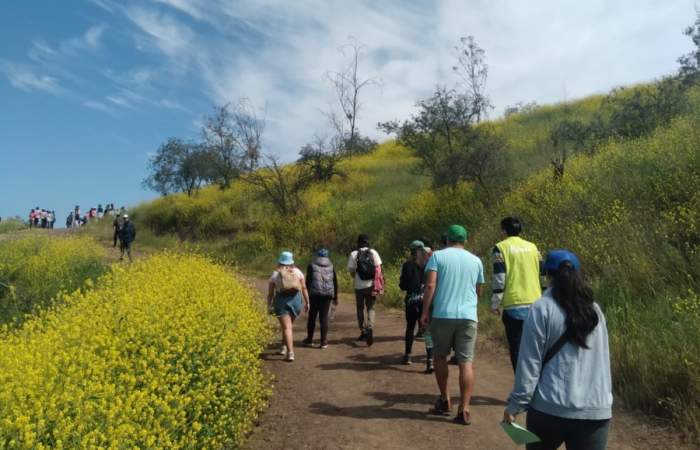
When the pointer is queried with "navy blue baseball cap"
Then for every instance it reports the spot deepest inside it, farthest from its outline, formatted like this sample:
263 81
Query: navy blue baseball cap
556 258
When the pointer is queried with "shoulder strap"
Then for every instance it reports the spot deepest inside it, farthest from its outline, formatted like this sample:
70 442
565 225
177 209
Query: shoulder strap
551 353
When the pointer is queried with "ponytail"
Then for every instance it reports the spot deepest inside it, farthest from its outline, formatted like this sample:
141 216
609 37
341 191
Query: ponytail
576 298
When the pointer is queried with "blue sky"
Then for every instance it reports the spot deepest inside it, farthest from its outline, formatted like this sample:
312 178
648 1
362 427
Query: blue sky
90 88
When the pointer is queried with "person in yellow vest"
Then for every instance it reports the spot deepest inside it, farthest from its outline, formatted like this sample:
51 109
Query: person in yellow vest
516 282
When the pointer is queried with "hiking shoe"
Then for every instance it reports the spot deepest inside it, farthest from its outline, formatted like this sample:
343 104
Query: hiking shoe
429 367
283 350
463 418
406 360
363 336
442 407
324 345
290 357
307 342
370 337
420 333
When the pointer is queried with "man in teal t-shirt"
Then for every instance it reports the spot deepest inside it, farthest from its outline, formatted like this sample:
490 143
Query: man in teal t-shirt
453 284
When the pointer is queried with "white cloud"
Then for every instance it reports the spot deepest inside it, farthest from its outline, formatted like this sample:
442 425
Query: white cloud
25 78
99 106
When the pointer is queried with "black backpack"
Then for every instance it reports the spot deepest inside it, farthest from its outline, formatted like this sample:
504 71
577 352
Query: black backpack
365 265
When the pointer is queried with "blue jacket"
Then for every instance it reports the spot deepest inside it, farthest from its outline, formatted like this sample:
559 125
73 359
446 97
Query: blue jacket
576 382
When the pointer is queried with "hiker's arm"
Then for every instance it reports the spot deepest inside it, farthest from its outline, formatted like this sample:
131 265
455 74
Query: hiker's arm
335 287
430 285
352 265
498 285
532 350
270 292
479 287
308 276
305 296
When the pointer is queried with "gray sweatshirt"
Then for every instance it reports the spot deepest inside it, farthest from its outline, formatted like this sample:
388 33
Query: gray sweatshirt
575 383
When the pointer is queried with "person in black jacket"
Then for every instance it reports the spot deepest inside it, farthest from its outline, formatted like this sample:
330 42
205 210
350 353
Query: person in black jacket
411 281
127 234
322 284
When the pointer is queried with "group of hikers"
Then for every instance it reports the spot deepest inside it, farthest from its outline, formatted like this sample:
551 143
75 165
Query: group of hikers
41 218
556 333
77 219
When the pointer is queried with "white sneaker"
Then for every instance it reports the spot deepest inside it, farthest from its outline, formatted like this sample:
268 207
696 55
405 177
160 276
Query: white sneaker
290 356
283 350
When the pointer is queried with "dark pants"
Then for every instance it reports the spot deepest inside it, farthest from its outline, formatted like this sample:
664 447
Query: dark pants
116 236
413 313
576 433
514 330
320 305
365 300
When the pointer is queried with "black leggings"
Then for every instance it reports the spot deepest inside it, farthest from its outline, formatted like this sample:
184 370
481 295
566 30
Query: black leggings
514 331
413 313
319 307
578 434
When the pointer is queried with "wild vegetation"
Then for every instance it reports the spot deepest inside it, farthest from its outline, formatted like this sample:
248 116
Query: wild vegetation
12 225
160 354
36 270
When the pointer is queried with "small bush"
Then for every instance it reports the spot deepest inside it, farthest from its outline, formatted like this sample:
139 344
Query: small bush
163 354
12 225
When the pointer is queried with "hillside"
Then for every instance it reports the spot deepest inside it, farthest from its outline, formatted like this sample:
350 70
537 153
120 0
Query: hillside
628 203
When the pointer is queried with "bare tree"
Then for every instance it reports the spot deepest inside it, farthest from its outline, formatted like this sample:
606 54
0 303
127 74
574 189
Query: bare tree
233 134
348 84
472 69
281 184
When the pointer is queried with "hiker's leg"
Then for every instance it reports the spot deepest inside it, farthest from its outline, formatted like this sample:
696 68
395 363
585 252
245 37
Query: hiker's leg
514 331
324 307
286 324
549 429
588 435
442 333
466 385
442 371
311 321
360 305
412 317
128 251
369 302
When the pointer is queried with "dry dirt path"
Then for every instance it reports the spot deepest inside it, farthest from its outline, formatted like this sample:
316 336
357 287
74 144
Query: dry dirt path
350 396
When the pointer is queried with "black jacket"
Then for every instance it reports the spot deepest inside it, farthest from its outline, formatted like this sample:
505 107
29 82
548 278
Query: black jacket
411 279
127 233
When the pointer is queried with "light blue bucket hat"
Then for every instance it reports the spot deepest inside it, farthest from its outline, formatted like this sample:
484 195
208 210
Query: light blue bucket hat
286 259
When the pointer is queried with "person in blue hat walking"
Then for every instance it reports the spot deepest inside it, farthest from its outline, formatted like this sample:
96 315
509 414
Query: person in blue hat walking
563 376
287 296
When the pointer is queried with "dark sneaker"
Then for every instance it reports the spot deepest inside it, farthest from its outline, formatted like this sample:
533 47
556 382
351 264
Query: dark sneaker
429 367
406 360
370 337
463 418
363 336
442 407
420 333
307 342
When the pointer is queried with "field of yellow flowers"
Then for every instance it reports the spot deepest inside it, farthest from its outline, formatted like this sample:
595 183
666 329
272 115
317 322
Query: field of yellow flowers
35 269
162 353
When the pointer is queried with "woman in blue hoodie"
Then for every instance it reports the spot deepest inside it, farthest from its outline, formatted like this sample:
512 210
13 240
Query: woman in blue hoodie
563 373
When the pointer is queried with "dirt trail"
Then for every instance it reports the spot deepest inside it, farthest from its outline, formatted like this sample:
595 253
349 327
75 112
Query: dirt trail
350 396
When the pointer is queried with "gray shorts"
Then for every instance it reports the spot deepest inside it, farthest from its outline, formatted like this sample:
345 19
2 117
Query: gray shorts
457 334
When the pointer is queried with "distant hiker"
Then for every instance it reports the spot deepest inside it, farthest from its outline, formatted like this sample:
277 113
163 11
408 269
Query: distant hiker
427 337
127 234
322 285
563 373
286 292
117 225
51 218
69 220
453 284
516 282
100 211
411 281
362 265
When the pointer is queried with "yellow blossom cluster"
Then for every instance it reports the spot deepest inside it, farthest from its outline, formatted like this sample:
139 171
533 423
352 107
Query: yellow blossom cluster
163 353
34 270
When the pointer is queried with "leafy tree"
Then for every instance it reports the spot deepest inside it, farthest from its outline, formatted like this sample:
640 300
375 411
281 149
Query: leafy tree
690 62
320 160
520 108
178 166
442 135
567 136
281 185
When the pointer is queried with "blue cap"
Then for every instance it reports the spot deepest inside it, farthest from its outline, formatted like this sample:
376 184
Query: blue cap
556 258
323 253
286 259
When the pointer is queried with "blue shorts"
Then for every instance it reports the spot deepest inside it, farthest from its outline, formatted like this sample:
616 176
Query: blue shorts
288 305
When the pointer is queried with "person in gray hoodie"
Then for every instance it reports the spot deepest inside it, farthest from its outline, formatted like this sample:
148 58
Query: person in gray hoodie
322 284
563 377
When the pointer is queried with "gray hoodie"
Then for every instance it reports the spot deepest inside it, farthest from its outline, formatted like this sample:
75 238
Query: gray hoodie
575 383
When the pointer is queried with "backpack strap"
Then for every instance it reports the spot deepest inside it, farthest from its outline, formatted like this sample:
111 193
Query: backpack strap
551 353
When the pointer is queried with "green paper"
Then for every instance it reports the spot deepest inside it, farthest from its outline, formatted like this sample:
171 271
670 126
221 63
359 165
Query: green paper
518 434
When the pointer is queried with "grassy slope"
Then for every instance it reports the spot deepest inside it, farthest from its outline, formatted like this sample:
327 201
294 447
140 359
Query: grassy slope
630 210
